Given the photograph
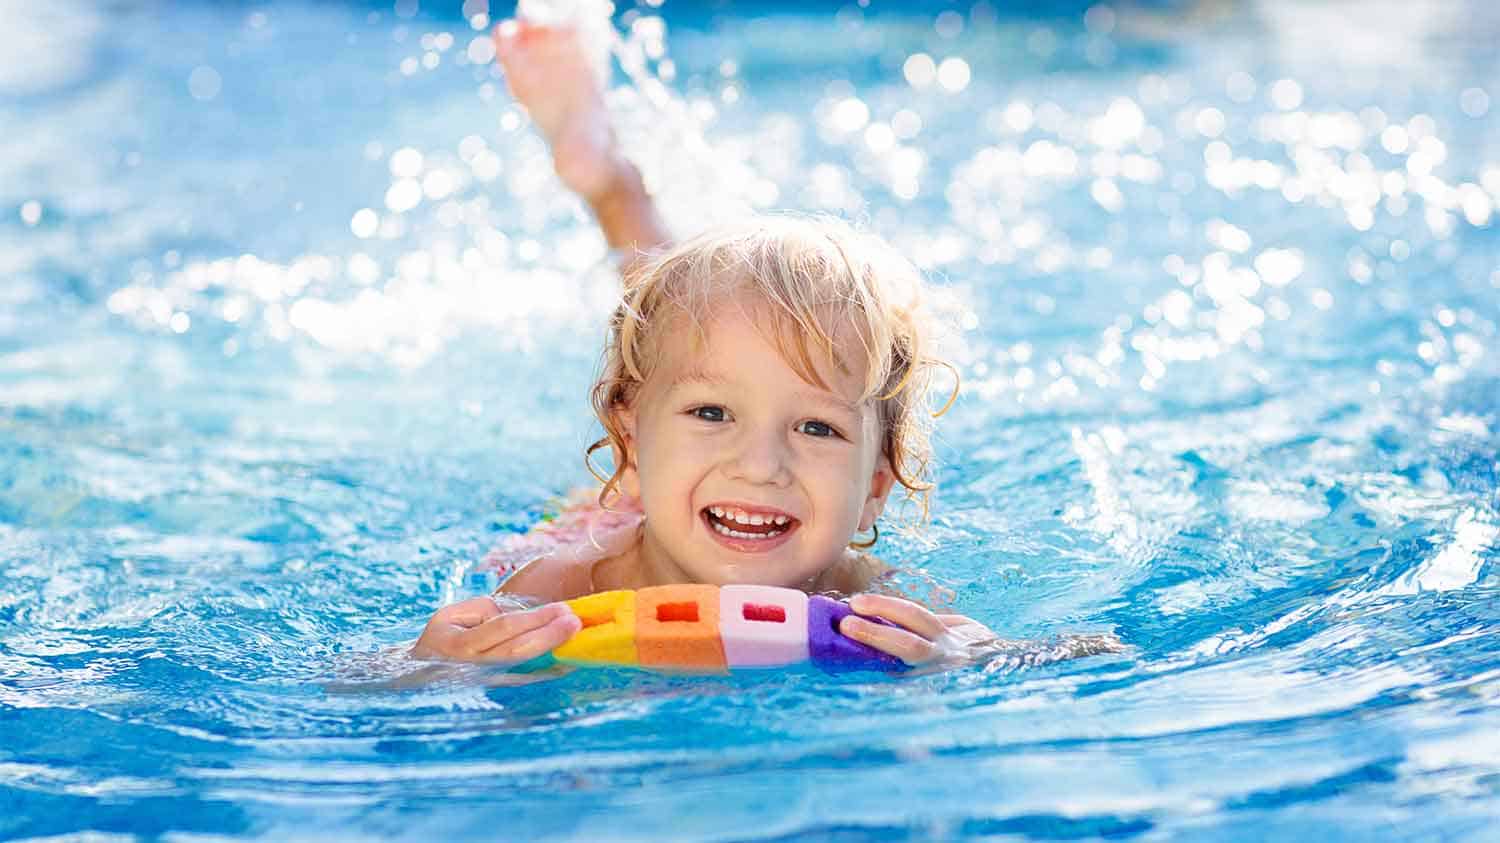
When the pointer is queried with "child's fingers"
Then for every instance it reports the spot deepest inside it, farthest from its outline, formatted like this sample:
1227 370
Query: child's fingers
500 629
469 613
906 646
529 645
898 611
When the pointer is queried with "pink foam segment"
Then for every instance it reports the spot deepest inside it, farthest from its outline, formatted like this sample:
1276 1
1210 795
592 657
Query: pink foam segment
763 626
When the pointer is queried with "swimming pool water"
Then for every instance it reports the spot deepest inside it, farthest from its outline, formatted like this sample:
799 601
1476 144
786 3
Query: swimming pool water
295 323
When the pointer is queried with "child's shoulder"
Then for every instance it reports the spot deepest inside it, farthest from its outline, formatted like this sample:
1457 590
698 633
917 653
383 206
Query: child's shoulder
863 572
857 571
554 559
549 579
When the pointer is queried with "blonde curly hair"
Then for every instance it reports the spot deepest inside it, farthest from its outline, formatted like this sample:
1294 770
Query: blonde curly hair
820 280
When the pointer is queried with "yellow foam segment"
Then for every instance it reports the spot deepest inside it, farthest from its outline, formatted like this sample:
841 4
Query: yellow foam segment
608 633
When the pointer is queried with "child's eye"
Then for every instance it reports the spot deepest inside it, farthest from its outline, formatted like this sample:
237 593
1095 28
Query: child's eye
819 429
708 413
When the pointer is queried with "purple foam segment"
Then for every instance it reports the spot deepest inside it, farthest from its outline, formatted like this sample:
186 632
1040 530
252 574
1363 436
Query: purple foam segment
835 652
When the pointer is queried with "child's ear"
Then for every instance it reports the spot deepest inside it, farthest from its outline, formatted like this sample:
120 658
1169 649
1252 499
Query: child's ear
881 483
630 480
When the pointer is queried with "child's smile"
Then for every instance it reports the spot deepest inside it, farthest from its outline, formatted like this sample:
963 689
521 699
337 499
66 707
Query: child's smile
749 528
746 472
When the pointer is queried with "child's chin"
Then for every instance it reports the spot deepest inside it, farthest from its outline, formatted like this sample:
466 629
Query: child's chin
749 575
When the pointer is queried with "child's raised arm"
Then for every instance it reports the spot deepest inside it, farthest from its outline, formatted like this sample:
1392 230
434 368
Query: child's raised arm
549 74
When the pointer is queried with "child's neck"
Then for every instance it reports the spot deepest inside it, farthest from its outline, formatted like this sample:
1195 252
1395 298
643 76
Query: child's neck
639 567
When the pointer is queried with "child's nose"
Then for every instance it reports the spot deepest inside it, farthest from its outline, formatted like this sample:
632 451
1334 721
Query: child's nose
760 458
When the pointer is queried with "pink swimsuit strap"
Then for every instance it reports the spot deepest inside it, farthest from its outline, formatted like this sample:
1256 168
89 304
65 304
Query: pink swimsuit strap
580 531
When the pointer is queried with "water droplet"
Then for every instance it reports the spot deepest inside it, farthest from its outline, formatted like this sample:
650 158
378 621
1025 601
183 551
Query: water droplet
406 163
850 115
920 70
1099 19
204 83
403 195
364 223
481 50
1394 140
906 124
949 24
1286 94
1474 101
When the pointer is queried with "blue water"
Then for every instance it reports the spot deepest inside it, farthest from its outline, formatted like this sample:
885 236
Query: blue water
295 323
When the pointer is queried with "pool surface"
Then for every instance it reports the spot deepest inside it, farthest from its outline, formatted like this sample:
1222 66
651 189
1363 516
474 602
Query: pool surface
296 323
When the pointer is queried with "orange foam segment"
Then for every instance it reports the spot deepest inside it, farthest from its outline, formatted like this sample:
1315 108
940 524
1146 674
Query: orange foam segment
677 626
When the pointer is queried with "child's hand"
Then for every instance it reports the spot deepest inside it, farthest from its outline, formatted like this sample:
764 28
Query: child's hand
478 630
924 637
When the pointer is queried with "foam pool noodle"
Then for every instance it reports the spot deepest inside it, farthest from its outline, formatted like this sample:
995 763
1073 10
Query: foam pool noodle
707 628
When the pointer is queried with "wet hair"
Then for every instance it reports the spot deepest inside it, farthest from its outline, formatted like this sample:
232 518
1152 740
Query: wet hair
820 288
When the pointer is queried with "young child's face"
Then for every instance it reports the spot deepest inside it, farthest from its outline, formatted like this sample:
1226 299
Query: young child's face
746 472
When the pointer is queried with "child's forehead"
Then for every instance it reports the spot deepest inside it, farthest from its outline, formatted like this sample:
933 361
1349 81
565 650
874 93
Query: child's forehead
704 373
711 351
736 317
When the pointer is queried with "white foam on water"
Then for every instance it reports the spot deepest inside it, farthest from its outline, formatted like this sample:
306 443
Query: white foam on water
1457 564
46 45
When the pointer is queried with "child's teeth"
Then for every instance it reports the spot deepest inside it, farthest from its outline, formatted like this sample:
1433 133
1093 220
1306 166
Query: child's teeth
739 516
743 535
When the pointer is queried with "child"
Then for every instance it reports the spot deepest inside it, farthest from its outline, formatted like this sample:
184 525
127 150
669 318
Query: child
764 390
